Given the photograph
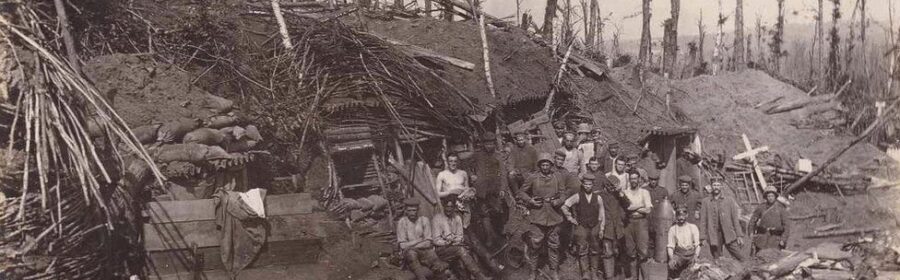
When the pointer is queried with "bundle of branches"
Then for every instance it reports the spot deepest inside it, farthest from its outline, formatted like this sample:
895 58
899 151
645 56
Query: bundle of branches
62 212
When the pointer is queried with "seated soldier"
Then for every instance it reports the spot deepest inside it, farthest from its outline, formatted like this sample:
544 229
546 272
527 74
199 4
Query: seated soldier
415 238
684 243
448 239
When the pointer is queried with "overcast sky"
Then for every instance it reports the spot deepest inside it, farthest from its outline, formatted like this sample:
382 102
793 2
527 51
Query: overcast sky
797 11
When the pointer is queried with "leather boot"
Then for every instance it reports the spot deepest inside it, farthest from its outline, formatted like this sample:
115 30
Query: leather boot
584 265
594 261
644 269
632 270
609 268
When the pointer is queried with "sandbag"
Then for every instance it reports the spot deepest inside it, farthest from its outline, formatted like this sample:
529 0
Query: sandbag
252 132
173 131
231 119
191 152
217 104
146 134
205 136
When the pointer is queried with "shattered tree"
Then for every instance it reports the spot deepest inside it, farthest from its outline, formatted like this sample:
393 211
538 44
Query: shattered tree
670 38
739 58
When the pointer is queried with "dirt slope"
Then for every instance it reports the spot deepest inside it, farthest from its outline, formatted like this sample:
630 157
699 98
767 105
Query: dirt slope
722 107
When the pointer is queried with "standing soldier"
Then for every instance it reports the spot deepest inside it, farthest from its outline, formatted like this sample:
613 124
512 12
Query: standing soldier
615 205
720 225
658 195
522 160
542 194
586 141
637 231
609 157
490 189
619 172
454 182
585 211
688 198
770 223
574 161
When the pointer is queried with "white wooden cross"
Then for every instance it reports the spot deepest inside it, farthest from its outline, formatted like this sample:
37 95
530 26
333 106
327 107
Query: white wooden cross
751 153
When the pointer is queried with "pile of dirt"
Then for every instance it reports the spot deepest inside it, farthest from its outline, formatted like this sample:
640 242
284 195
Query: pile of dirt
520 68
723 108
144 92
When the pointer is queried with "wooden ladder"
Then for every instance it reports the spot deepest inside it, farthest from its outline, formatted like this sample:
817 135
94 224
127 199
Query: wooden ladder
746 188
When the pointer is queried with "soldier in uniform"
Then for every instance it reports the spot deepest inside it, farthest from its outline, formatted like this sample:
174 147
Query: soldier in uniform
542 194
770 223
585 211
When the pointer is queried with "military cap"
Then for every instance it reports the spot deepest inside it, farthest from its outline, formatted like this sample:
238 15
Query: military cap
589 177
411 202
685 178
545 157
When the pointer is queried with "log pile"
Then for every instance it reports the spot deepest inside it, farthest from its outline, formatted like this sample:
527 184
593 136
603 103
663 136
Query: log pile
861 259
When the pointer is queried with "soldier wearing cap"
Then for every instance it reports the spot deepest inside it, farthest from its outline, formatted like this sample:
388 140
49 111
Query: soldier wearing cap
449 239
608 158
414 234
720 224
542 195
586 212
770 223
487 173
522 161
637 228
688 198
683 247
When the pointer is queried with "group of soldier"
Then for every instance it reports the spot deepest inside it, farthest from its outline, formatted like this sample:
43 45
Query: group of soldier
586 202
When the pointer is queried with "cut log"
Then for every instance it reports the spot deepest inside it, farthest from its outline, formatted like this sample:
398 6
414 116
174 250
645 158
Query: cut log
797 104
846 232
786 265
423 52
830 251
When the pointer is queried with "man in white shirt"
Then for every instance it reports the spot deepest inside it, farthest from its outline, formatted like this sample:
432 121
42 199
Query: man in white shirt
449 240
637 228
684 244
414 236
574 161
455 182
585 210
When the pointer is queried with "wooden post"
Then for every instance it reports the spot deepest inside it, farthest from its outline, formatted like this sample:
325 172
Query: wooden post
383 189
67 36
562 68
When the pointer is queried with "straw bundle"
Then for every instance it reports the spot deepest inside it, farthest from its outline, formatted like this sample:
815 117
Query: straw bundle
65 214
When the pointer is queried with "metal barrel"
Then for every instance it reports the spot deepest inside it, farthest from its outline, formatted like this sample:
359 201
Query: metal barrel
663 216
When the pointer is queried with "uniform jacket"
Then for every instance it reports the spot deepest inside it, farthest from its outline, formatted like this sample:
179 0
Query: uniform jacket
550 189
720 214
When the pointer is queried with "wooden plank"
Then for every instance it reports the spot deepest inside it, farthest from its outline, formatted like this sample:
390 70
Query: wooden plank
166 264
181 235
204 209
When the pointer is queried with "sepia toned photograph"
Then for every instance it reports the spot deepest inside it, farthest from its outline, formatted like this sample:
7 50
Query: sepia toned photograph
450 139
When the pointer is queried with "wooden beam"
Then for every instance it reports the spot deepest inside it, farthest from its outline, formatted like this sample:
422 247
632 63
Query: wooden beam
423 52
750 153
759 173
169 236
205 209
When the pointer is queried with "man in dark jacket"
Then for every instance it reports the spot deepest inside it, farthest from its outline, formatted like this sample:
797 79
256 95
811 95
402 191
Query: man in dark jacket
720 224
770 223
542 193
688 198
615 203
491 188
521 161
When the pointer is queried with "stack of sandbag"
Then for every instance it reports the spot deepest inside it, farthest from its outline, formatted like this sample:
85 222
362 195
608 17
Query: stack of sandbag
186 145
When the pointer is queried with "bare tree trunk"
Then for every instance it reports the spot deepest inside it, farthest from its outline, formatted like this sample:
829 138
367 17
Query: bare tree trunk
739 60
549 15
67 36
595 26
428 7
759 47
448 11
778 38
670 40
833 55
862 38
398 4
567 23
615 44
644 52
717 52
701 30
820 40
